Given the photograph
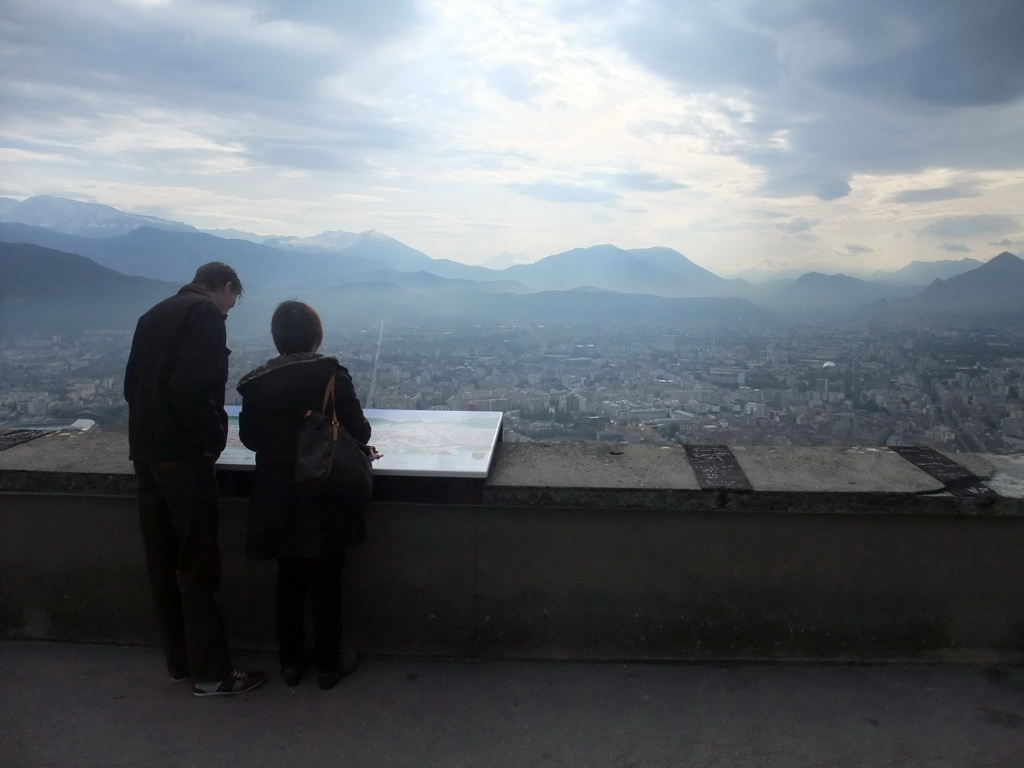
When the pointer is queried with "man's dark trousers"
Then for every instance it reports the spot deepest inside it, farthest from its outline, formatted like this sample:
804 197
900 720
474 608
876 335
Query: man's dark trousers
178 512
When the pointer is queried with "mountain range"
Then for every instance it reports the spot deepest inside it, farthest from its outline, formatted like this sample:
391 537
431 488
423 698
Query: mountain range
42 290
924 272
996 287
368 274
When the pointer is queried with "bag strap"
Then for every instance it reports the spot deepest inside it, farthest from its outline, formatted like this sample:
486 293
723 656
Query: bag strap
329 398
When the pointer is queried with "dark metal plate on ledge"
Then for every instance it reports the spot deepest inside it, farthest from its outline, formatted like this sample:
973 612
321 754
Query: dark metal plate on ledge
958 480
19 436
716 468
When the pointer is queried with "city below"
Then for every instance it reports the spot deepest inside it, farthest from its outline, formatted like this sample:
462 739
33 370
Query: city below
954 386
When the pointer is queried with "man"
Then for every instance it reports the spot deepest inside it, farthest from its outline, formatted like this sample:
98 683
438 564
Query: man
177 428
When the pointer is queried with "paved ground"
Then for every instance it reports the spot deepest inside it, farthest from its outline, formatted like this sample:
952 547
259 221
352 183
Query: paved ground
114 707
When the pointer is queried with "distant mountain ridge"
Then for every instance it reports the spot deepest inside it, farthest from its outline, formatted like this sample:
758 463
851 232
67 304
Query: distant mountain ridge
174 256
161 252
155 248
661 271
45 290
995 287
815 292
73 217
926 272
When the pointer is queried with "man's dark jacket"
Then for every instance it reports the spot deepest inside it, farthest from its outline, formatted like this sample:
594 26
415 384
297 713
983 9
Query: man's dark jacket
175 379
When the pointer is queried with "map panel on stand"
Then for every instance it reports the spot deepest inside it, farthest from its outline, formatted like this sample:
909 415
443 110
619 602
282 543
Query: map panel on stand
413 443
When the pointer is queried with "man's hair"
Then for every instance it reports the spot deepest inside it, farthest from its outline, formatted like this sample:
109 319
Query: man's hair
216 275
295 327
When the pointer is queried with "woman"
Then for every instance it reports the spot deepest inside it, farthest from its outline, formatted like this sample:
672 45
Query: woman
306 534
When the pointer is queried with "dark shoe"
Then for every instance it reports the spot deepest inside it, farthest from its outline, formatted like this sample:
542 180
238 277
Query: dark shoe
327 679
239 681
293 675
177 668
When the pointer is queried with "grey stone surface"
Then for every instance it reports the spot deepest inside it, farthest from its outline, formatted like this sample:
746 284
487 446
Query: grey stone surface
1004 475
978 464
579 551
409 588
601 475
97 462
85 463
591 465
75 452
833 470
87 706
565 582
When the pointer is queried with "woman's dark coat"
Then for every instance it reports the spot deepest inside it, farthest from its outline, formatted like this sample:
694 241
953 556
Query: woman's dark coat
282 521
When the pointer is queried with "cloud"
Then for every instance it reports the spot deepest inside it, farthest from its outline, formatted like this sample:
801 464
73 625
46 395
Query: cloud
956 247
14 155
637 181
830 90
754 114
216 52
854 248
833 190
942 52
559 192
799 224
513 82
970 226
1006 244
378 20
698 45
936 194
246 73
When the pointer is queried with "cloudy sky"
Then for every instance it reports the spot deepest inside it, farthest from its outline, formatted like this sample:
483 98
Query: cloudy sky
746 134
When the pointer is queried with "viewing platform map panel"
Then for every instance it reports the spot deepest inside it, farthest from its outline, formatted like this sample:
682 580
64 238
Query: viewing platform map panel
415 443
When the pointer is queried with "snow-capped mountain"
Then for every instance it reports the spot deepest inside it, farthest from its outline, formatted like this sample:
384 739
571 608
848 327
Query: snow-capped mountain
74 217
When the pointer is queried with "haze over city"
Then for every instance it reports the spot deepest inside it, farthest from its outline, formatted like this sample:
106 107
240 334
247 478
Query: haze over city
839 137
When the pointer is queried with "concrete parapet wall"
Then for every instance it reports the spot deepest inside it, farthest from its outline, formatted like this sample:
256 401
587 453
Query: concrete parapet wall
577 552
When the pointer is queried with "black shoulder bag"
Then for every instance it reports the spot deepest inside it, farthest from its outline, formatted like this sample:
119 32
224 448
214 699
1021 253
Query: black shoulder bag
328 459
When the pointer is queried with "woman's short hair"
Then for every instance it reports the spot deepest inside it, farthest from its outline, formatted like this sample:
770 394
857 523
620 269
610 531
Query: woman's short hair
296 327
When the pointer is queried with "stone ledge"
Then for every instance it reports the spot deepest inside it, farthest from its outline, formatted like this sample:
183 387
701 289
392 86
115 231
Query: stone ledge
84 463
90 452
571 551
599 475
